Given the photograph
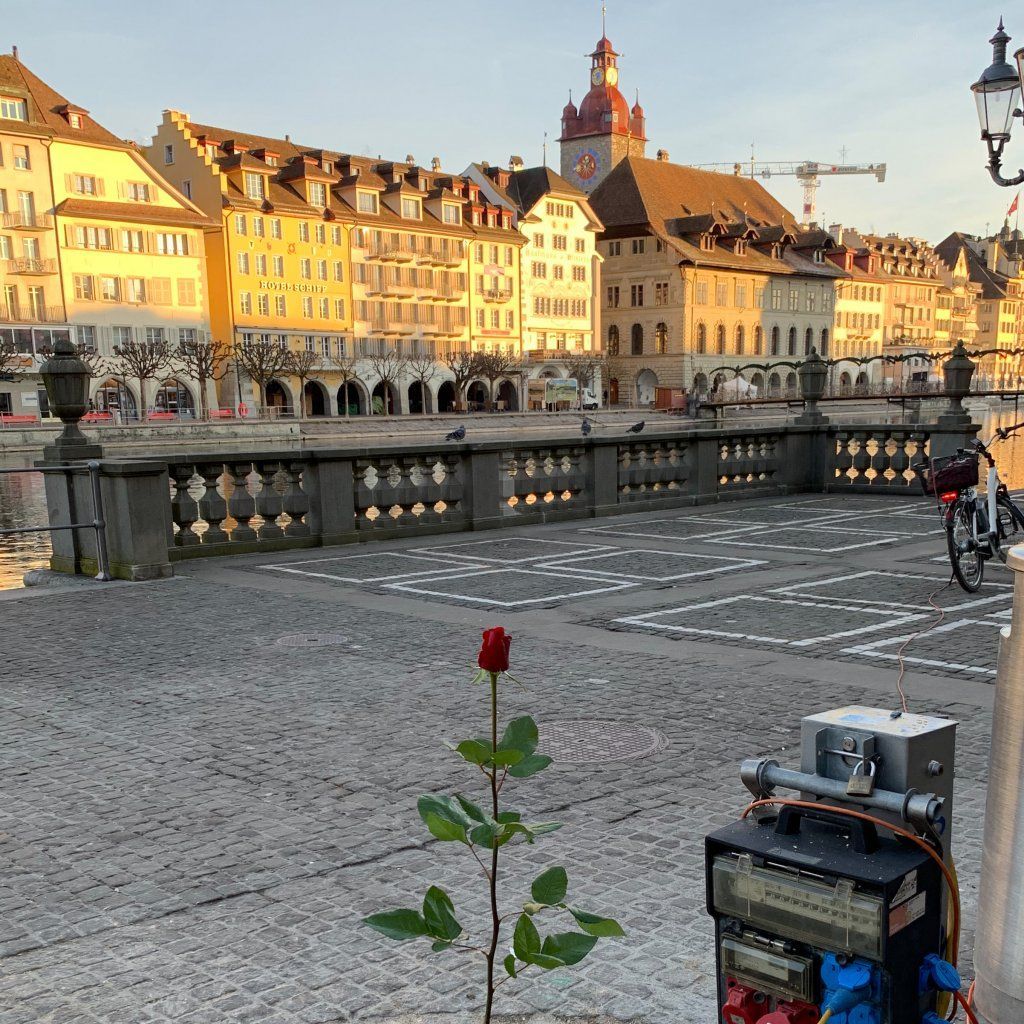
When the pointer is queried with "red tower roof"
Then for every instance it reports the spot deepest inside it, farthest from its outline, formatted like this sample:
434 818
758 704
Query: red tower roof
604 110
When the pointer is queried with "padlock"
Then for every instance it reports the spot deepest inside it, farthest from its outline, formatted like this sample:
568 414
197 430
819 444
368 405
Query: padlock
861 784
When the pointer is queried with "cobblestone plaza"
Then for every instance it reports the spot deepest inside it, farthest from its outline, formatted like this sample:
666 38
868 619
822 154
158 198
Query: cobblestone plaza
211 779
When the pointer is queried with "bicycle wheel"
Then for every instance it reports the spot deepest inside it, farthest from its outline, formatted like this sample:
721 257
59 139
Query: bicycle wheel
968 565
1010 523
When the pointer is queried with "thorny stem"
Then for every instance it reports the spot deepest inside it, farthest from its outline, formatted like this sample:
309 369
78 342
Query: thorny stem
493 877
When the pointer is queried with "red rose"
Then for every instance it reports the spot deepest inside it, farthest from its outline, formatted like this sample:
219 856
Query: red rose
493 656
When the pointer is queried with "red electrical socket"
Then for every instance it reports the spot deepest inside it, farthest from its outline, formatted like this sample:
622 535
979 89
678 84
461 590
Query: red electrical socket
791 1013
743 1005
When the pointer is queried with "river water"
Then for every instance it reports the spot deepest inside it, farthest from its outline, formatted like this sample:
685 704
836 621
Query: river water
22 502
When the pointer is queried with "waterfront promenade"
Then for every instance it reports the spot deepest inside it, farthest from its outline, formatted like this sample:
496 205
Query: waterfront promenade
201 800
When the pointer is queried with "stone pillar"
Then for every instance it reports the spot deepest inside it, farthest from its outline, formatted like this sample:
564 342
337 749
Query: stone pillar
602 477
704 476
481 491
331 489
999 935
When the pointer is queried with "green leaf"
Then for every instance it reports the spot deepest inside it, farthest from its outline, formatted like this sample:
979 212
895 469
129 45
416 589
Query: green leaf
485 834
398 924
543 827
529 832
548 963
569 947
439 914
550 886
525 939
439 946
471 808
534 908
445 830
603 927
505 756
529 765
510 965
474 751
520 734
504 817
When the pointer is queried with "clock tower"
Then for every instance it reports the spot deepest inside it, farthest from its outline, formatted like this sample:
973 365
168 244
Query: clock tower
604 130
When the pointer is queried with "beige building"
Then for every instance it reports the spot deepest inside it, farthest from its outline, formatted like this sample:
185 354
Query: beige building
560 263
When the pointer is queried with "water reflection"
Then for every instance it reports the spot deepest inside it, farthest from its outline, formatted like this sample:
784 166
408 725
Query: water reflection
22 501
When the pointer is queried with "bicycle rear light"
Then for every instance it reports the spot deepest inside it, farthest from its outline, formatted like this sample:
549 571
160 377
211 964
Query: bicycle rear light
948 497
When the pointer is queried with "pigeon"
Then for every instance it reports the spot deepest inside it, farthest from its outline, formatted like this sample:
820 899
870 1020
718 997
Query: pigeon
636 428
458 434
586 427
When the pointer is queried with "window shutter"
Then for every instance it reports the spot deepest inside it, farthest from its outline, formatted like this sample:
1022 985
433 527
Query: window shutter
101 189
69 182
121 190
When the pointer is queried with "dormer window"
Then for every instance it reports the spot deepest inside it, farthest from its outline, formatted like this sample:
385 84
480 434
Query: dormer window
741 247
328 167
13 109
366 202
411 209
491 219
776 251
475 217
270 160
137 191
255 185
451 213
707 242
819 255
75 120
317 193
211 152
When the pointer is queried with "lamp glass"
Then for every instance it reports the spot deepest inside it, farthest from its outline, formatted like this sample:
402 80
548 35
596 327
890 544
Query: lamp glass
997 99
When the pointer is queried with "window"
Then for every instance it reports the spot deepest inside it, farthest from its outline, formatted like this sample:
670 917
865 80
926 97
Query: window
245 302
278 264
510 320
808 341
637 340
303 231
86 338
263 304
559 242
741 295
707 242
159 291
154 335
411 209
257 227
240 224
110 289
538 240
614 248
759 297
260 264
321 269
305 269
169 154
186 291
480 318
613 296
794 300
321 233
758 340
5 247
540 269
720 339
661 339
636 294
339 309
122 335
450 213
12 109
366 202
775 341
791 341
84 184
613 340
169 244
21 158
810 301
188 335
93 238
135 289
579 273
84 287
280 305
721 293
275 227
558 272
495 318
702 337
661 293
639 246
581 245
255 185
137 191
776 298
307 307
243 263
186 188
336 234
740 339
824 343
702 293
317 193
339 270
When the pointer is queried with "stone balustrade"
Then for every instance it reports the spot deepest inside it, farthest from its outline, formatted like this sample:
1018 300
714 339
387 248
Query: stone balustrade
164 510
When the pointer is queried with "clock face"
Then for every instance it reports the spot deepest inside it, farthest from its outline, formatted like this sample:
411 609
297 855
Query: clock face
585 165
597 76
612 76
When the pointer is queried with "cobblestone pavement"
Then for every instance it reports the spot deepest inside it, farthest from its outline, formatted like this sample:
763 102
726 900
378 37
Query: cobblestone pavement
195 815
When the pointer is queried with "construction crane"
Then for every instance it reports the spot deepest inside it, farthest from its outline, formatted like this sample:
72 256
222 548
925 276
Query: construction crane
807 172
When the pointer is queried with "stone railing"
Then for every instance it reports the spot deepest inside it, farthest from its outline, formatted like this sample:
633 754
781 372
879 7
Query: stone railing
165 510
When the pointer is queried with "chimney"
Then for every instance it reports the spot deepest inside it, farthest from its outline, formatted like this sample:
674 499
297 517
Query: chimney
14 52
409 158
515 163
435 163
662 156
484 164
993 255
836 231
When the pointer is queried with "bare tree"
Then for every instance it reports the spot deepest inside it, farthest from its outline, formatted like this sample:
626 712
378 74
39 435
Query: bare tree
584 366
303 364
10 358
204 361
141 361
492 366
262 362
388 367
462 366
423 368
345 368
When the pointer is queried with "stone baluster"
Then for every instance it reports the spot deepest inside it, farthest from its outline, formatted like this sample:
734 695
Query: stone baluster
241 504
268 501
295 500
212 506
184 511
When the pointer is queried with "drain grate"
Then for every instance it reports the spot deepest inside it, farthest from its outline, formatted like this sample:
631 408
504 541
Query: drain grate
312 640
585 742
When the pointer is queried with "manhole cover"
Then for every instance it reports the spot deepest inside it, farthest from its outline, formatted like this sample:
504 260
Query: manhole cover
312 640
584 742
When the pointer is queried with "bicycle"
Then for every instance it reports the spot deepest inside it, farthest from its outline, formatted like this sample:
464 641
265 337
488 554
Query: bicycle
971 537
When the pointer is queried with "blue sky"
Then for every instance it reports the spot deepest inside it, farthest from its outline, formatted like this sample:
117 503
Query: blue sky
471 80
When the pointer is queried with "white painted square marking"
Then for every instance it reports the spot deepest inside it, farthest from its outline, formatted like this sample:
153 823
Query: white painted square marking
873 650
598 565
828 540
511 550
369 568
681 528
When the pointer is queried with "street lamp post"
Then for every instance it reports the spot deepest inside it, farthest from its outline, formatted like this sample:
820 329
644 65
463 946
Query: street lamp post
999 942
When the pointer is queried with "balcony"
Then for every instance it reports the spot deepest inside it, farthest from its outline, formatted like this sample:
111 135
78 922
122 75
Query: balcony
39 315
497 294
443 256
31 267
21 221
388 252
395 289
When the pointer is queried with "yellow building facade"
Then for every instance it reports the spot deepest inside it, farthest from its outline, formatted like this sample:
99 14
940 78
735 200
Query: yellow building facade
380 268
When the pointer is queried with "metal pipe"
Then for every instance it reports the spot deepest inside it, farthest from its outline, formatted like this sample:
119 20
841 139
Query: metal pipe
999 937
762 775
98 522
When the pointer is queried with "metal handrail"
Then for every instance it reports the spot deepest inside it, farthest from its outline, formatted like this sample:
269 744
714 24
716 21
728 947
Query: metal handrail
98 522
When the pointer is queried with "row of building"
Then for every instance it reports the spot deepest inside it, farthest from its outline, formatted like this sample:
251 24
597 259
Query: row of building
663 273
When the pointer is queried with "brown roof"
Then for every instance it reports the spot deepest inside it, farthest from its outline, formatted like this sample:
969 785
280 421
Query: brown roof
993 284
142 213
45 106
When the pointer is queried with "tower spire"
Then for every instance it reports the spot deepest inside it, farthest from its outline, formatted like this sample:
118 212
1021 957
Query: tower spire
604 11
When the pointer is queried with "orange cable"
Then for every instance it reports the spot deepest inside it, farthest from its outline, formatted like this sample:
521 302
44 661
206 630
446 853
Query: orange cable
966 1005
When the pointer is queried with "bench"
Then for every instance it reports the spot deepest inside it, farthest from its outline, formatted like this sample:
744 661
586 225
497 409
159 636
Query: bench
98 417
222 414
160 416
9 419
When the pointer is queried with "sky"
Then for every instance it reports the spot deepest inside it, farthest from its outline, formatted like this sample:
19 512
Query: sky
473 80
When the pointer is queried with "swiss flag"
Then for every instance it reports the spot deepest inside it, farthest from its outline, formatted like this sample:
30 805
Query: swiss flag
1013 205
